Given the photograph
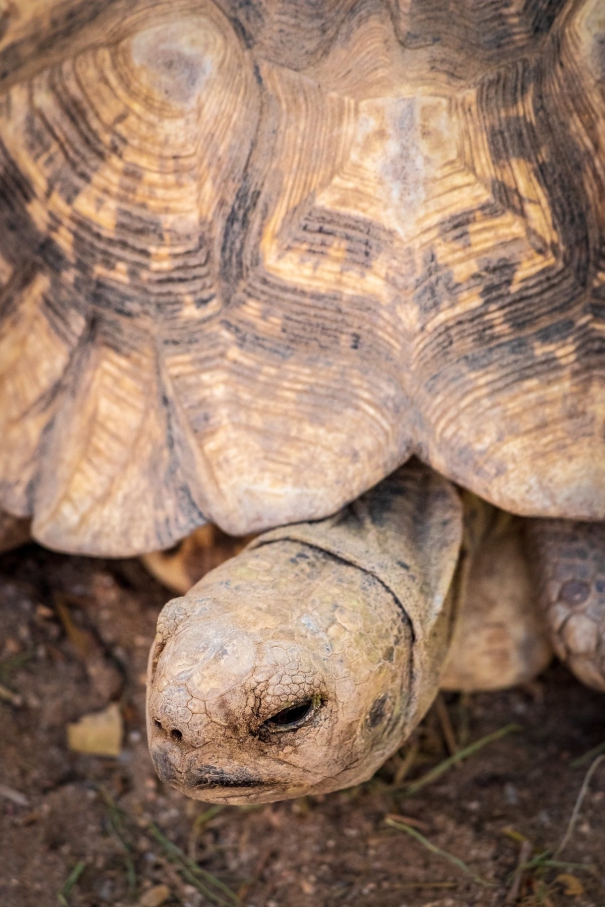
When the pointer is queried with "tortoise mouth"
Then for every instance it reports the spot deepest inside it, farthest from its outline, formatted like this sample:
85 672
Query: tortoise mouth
216 779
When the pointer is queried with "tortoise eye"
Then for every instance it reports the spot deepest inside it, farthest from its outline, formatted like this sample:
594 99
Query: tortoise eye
290 718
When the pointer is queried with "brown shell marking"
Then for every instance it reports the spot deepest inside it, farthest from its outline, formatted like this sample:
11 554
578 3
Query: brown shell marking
244 279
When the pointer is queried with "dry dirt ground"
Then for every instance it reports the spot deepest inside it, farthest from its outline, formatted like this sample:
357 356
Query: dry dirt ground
87 831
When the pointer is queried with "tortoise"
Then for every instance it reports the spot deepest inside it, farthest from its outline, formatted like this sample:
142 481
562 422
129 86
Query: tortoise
254 257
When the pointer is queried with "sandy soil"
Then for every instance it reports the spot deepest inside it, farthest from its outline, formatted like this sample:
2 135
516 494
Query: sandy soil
74 635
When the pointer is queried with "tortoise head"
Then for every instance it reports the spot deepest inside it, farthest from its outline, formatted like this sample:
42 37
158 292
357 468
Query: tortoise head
300 665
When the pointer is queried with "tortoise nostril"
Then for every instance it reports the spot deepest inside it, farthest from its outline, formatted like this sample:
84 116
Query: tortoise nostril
174 732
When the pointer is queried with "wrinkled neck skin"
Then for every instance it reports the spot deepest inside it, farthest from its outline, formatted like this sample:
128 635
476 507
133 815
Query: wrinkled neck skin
300 665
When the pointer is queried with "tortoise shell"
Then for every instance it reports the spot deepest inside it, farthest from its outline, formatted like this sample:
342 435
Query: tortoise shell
253 256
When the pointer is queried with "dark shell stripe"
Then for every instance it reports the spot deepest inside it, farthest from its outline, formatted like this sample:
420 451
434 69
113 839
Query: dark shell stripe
243 280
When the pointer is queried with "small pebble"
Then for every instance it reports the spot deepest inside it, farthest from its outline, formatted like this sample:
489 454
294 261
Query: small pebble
510 795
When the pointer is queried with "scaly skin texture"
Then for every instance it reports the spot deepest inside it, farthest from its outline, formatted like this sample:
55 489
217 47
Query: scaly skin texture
349 617
300 664
240 650
569 564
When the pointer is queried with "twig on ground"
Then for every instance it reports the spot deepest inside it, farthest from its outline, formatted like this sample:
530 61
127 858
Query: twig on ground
15 796
406 764
470 750
7 695
464 718
515 888
446 725
578 805
399 885
71 881
440 853
245 887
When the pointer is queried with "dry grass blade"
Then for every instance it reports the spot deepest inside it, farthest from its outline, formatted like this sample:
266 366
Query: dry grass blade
7 695
446 725
578 805
470 750
543 861
587 757
7 667
206 883
408 820
120 834
407 885
198 826
538 864
13 663
515 888
207 815
71 881
455 861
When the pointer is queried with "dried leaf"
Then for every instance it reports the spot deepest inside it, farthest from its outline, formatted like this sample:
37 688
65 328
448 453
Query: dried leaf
99 733
155 896
82 640
572 885
514 835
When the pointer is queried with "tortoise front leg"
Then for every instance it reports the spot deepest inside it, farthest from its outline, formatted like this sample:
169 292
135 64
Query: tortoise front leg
569 559
500 636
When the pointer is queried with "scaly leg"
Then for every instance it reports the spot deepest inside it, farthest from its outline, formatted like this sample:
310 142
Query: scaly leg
500 635
569 562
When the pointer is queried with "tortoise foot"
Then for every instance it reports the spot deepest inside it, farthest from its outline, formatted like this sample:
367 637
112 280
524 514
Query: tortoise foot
182 566
570 562
500 637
